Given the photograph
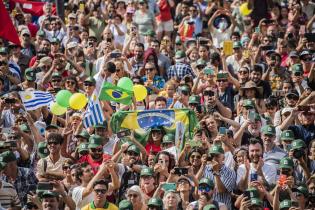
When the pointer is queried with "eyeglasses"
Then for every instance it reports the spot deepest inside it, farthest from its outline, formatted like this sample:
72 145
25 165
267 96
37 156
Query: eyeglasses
208 93
100 191
149 69
221 80
52 142
97 150
132 195
204 188
195 156
70 82
55 80
307 59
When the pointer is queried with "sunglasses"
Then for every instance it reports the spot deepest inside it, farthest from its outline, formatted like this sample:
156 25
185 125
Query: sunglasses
52 142
222 80
97 150
55 80
208 93
70 82
149 69
132 195
204 188
100 191
65 167
243 72
88 84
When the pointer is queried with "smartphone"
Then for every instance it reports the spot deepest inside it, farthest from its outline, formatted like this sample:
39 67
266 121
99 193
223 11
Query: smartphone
246 194
123 133
115 55
282 179
251 115
257 30
266 48
208 71
169 186
11 143
253 177
302 30
281 35
222 130
181 171
81 7
228 47
310 37
44 186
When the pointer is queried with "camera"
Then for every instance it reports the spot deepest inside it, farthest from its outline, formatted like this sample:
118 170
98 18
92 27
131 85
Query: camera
298 153
9 100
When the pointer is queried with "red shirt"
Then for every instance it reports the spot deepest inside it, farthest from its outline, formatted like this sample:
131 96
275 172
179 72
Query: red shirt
152 147
165 11
33 29
94 164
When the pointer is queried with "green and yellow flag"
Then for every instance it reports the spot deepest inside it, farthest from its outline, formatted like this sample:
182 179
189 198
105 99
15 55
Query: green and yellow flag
110 92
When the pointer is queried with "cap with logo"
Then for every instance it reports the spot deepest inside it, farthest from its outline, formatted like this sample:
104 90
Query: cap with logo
216 149
90 80
286 163
222 75
207 182
297 68
102 125
287 135
301 189
210 207
55 40
133 148
268 130
49 194
95 141
56 75
84 134
201 62
147 172
150 33
298 144
156 128
157 202
41 33
253 192
30 74
180 54
256 202
194 99
7 157
168 138
83 147
125 205
248 103
285 204
237 45
42 150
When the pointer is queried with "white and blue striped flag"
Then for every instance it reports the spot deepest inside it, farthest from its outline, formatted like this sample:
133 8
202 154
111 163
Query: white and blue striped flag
94 113
33 100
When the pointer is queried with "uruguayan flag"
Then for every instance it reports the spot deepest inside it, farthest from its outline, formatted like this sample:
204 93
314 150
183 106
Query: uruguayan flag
94 113
33 100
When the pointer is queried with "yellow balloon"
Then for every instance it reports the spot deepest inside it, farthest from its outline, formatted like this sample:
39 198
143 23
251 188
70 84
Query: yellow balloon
140 92
244 9
77 101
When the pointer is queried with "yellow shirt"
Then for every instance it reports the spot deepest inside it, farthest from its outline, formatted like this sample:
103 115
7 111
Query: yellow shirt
108 206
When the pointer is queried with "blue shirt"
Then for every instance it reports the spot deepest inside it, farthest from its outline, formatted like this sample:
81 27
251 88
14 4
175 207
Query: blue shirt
306 133
158 82
179 70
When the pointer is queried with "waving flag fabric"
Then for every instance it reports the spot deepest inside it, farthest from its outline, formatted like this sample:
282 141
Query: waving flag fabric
33 100
110 92
94 113
142 121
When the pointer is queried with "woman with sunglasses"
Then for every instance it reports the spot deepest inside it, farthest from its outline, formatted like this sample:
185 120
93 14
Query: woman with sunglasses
152 81
71 84
68 182
155 140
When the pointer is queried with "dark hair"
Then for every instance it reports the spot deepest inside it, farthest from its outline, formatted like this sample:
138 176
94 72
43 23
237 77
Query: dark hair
271 101
79 170
257 68
160 98
101 182
156 41
235 33
139 44
237 150
200 150
254 141
111 67
205 46
119 16
55 137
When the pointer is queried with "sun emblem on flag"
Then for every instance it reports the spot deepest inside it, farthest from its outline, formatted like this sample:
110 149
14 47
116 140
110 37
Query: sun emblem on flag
27 97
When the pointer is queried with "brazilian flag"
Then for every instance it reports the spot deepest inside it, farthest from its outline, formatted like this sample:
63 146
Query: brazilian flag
110 92
142 121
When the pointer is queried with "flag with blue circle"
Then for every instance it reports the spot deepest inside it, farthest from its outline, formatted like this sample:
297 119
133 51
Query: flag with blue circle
110 92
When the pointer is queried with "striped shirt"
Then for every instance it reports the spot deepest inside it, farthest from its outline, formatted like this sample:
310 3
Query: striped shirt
274 156
228 178
8 196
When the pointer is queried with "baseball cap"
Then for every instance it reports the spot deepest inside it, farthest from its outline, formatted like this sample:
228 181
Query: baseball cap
248 103
194 99
253 192
25 31
216 149
285 204
51 126
268 130
83 147
3 50
287 135
286 163
222 75
72 15
24 128
133 148
72 45
125 205
54 40
186 179
156 128
149 33
207 182
95 141
297 68
180 54
84 134
168 138
42 149
49 194
41 33
237 45
30 74
293 54
157 202
298 144
7 157
90 80
147 172
200 62
292 93
56 75
101 125
301 189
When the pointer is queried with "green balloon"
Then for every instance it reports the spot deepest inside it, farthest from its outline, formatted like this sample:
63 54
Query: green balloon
63 97
125 83
56 109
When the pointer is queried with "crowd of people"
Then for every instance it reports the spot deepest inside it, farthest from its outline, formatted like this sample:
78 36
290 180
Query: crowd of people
249 80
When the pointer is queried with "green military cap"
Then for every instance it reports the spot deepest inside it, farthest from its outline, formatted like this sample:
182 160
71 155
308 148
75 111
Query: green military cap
157 202
268 130
285 204
149 33
42 149
168 138
2 166
95 141
249 103
180 54
125 205
297 68
53 126
146 172
90 80
216 149
184 88
201 62
237 45
49 194
210 207
156 128
55 40
83 134
7 157
301 189
287 135
194 99
286 162
102 125
83 147
30 74
3 145
41 33
256 202
3 50
25 128
207 182
298 144
133 148
253 192
56 75
178 40
222 75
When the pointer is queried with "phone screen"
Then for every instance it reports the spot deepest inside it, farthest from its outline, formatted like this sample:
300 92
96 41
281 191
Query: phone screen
169 186
123 133
222 130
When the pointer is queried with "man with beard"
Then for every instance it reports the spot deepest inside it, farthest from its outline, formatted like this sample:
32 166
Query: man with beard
291 99
206 192
249 129
82 194
95 156
108 142
255 169
50 168
272 153
100 189
28 48
256 76
137 61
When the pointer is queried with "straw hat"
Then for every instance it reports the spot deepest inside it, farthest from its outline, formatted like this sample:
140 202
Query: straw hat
251 85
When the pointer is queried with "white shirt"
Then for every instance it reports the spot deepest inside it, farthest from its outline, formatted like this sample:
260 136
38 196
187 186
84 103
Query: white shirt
77 197
269 171
119 39
108 147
